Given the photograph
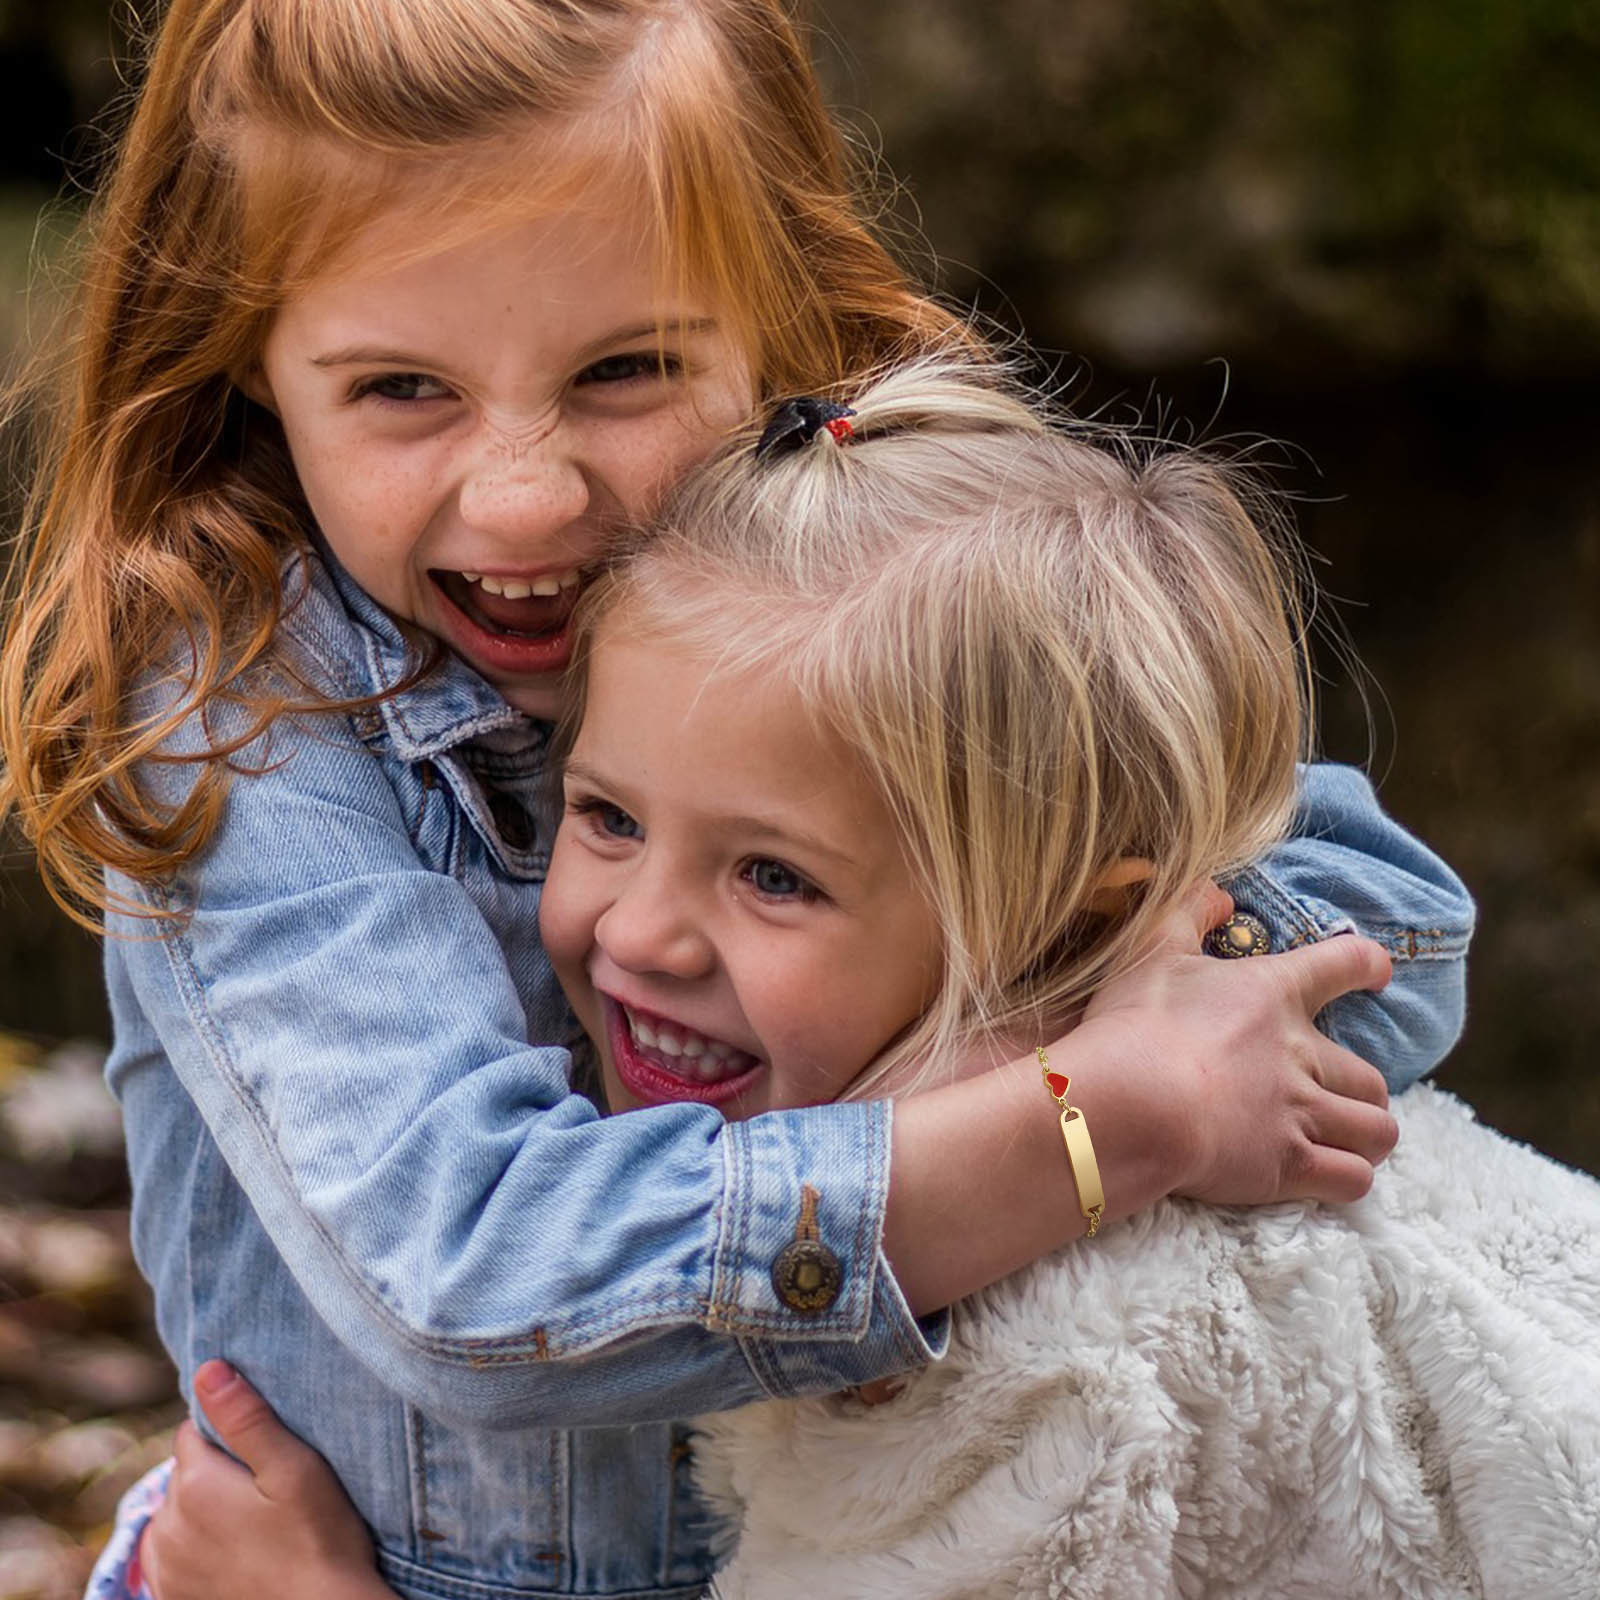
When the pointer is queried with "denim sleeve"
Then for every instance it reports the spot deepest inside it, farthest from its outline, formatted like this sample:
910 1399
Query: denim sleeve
1349 868
494 1249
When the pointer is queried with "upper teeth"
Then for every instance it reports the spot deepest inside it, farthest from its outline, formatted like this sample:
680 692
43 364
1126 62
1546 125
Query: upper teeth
519 589
700 1057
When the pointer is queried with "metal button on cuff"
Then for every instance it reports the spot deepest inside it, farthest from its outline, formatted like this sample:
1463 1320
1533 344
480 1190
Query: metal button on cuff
806 1276
1241 935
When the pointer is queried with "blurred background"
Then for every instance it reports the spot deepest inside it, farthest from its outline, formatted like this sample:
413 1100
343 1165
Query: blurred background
1368 230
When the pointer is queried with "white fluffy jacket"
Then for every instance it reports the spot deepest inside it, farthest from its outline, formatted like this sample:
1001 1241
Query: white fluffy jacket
1399 1398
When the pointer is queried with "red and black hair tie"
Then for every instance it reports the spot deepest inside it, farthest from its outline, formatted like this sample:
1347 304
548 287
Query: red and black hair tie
796 421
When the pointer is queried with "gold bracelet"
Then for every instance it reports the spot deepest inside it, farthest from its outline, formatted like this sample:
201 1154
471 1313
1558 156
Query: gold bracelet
1080 1148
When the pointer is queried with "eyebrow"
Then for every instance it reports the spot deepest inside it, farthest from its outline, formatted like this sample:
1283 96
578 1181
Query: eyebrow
657 326
371 355
362 355
745 826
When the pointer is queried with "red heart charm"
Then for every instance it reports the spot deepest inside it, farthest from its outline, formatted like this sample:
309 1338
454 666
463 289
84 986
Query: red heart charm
1059 1083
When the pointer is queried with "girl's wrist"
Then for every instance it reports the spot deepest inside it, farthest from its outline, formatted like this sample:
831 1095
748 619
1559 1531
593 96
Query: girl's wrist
1144 1135
980 1180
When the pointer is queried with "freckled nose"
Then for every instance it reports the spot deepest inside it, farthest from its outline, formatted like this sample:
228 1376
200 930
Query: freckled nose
517 487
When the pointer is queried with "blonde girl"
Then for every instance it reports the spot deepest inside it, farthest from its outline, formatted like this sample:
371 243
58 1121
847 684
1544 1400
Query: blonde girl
832 701
392 311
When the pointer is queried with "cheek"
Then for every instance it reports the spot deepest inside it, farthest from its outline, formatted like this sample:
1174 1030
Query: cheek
817 1048
379 488
568 911
642 466
375 487
885 997
639 477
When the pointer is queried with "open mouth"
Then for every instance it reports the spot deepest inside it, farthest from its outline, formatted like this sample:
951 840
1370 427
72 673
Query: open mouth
516 626
663 1061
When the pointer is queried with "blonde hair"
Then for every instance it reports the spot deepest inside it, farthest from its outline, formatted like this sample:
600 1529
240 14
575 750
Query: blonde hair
266 135
1053 650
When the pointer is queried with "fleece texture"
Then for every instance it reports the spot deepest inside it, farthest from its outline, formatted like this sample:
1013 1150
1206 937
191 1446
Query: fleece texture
1395 1400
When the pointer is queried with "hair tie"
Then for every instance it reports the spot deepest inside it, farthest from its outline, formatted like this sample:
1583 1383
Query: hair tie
794 423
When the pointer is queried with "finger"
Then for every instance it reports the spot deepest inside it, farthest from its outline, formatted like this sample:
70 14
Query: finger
1334 1176
248 1426
196 1453
1356 1126
1333 967
1194 916
1343 1072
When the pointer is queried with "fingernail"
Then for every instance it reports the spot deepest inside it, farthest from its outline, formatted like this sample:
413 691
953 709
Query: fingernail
215 1378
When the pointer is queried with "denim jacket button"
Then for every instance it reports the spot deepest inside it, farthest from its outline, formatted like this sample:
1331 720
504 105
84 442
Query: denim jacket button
1241 935
511 821
806 1274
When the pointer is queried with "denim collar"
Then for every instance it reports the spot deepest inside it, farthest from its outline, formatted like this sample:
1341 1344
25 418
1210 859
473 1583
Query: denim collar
451 705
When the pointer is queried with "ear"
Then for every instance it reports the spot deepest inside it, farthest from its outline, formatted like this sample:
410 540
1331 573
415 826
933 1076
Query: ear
1110 896
251 381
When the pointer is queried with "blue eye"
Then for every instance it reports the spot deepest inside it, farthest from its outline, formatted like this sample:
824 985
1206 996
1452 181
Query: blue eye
616 822
775 881
612 821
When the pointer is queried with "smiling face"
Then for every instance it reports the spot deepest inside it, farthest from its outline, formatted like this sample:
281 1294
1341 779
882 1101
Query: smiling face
728 907
467 425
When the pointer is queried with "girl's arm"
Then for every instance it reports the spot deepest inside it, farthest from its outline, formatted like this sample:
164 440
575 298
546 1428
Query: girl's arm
343 1018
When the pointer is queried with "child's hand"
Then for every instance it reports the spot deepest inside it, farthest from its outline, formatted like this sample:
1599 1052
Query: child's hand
278 1525
1262 1106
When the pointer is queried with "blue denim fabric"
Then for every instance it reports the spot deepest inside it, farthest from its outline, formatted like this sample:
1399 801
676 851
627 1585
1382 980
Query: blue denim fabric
356 1177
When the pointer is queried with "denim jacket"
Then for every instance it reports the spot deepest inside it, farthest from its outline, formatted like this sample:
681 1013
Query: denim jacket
361 1173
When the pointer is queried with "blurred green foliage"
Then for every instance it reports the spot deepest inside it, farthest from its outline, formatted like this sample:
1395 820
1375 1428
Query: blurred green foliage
1398 181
